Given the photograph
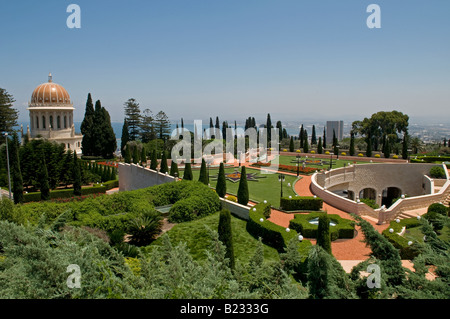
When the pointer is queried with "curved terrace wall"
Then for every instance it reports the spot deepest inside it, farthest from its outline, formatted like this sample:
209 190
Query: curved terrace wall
411 179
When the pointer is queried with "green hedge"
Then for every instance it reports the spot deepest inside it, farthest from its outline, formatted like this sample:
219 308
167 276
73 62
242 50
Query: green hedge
400 242
192 201
431 159
301 203
67 193
272 234
345 228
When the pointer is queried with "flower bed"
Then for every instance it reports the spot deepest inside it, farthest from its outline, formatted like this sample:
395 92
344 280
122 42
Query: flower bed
289 168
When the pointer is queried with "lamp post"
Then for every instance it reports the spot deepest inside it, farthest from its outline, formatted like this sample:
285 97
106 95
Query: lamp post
281 180
7 161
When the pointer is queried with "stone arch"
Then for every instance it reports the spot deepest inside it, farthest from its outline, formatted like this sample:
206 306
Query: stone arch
368 192
389 194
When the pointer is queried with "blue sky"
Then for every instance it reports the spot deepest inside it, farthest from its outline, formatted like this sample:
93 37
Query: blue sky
197 59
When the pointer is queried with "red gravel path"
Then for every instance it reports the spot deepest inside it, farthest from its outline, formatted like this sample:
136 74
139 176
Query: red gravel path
342 249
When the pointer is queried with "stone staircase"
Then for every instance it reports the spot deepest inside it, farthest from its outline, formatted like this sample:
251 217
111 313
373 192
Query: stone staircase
412 213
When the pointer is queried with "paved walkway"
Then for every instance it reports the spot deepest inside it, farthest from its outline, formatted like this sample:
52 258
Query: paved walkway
342 249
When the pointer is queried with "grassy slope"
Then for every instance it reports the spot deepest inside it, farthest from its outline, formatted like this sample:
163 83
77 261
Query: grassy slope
196 236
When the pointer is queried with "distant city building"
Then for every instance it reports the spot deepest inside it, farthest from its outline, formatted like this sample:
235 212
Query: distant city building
338 127
51 116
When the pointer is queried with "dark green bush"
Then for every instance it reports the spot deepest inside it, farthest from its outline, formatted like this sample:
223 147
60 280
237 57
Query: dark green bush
301 203
437 172
68 193
345 228
438 208
271 234
194 200
400 242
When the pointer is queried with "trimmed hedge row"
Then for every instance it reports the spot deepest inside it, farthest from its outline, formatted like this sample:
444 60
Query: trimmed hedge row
301 203
431 159
400 242
345 228
271 234
67 193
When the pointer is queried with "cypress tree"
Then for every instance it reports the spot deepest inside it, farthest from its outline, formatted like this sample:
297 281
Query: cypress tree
243 195
125 135
174 169
87 128
324 140
164 168
136 157
291 144
153 161
187 175
127 155
269 128
313 136
319 146
143 156
319 273
204 178
43 179
387 148
17 181
76 176
323 233
108 137
225 235
352 144
369 146
301 136
221 186
305 143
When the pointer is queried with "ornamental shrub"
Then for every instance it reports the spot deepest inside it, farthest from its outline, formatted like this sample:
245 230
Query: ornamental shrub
301 203
272 234
401 243
437 172
377 155
225 235
345 228
360 155
323 233
243 195
221 186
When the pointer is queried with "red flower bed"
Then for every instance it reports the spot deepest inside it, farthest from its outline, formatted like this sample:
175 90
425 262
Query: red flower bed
111 164
289 168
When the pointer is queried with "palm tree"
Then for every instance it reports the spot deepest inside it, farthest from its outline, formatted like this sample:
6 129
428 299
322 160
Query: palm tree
416 145
144 229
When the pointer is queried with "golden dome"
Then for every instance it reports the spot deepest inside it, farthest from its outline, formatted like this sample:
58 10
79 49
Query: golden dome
49 94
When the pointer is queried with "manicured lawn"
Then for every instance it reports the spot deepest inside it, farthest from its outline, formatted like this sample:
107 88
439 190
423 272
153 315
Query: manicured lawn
196 237
291 160
415 234
267 187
